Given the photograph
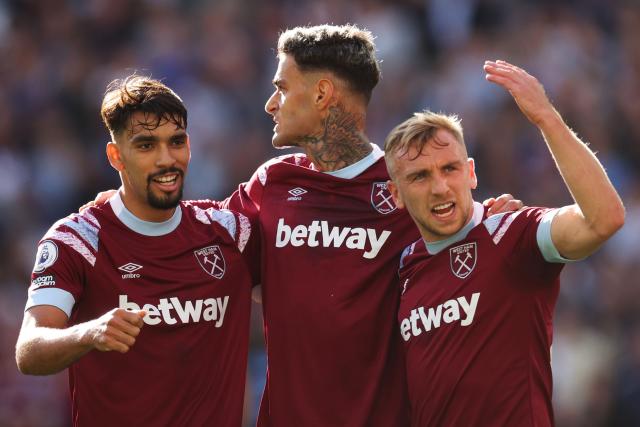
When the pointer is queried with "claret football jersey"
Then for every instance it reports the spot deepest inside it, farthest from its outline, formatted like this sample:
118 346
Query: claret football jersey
476 320
330 249
187 366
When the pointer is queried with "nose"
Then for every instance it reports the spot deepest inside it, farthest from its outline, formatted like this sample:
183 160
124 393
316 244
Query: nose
271 106
439 185
165 157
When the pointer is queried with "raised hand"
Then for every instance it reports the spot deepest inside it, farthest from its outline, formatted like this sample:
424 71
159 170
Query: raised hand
525 89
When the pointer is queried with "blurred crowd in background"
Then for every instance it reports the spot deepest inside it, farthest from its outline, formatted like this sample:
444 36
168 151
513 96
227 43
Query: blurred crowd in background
57 57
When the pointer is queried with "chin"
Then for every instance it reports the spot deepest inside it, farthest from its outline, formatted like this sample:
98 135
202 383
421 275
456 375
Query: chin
165 201
281 143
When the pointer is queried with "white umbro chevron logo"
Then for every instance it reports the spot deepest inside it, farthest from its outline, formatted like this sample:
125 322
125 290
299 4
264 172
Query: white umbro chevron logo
130 267
296 192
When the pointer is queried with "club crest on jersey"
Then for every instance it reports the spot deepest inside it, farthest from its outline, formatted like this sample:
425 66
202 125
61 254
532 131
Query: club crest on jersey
381 199
211 260
46 256
463 259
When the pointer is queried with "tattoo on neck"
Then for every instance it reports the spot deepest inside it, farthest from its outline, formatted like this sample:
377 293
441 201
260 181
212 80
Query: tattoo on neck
341 143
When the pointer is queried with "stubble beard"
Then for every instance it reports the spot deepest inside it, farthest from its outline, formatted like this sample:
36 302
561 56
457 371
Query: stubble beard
165 201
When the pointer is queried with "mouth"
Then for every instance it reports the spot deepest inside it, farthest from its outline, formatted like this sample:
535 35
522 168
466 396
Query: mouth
167 181
443 210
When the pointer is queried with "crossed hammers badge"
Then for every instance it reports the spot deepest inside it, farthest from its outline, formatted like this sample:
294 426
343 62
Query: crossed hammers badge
211 260
381 198
463 259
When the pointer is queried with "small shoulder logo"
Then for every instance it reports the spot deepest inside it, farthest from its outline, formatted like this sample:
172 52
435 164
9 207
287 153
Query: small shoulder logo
46 256
296 193
42 281
381 199
211 260
463 259
130 269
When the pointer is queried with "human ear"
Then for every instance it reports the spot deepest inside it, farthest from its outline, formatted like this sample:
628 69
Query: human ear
472 173
324 93
113 154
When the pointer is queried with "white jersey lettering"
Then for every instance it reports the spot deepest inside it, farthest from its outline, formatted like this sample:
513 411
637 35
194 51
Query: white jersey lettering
352 238
210 309
424 319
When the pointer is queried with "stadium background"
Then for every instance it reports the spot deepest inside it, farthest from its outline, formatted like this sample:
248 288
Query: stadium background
57 57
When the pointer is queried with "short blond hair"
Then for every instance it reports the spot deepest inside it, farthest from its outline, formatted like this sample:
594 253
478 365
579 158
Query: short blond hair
417 131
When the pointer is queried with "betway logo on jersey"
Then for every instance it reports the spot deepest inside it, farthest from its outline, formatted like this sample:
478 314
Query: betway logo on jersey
172 310
423 319
318 233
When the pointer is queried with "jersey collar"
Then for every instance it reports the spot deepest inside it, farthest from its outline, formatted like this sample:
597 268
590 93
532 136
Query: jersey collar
146 228
360 166
435 247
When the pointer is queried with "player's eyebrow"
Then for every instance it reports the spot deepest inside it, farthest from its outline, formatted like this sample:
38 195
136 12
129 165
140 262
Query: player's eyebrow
143 138
455 163
178 136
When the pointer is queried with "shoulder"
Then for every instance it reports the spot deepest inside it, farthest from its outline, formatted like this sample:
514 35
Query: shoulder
235 224
278 163
78 231
515 223
412 255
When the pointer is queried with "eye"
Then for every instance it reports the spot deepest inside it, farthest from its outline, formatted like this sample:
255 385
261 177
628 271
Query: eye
145 146
178 142
418 176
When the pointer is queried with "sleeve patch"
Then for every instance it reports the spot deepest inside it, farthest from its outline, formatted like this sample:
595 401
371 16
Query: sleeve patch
46 256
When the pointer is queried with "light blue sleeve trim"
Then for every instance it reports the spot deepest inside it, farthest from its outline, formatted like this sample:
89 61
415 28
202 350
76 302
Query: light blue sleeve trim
51 296
545 243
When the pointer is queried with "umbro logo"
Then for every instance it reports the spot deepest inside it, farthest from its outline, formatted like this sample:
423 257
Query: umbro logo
296 193
130 268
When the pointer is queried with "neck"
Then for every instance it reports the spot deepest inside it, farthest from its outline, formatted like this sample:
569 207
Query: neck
341 142
142 210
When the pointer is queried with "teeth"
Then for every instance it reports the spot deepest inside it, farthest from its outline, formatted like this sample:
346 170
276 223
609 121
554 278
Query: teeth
166 179
442 206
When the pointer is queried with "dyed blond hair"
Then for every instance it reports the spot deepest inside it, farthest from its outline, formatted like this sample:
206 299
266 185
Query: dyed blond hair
417 131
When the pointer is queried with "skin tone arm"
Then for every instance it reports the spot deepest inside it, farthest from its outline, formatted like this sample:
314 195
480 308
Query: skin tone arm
46 345
579 229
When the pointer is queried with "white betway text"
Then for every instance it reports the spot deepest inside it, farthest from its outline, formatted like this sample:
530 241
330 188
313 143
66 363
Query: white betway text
423 319
318 233
172 310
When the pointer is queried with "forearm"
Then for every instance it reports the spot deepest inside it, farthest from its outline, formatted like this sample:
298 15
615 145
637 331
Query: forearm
584 176
44 351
